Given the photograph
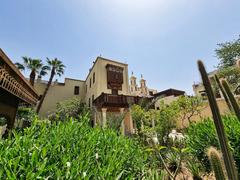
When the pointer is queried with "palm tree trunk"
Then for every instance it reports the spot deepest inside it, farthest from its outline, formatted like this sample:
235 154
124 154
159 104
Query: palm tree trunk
32 77
46 90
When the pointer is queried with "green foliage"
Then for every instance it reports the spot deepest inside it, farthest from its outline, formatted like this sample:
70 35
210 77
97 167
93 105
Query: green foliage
25 116
223 140
70 150
166 120
189 107
72 108
114 121
216 163
171 159
202 135
194 166
35 66
57 68
232 76
150 122
138 114
231 97
228 53
3 121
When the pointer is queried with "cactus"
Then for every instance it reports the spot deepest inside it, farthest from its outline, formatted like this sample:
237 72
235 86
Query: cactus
216 163
223 141
224 93
231 98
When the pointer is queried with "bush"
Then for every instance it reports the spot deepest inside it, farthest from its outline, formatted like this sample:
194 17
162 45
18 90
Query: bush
24 116
71 108
202 135
69 150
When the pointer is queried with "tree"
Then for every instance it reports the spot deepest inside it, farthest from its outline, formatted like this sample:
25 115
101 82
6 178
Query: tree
228 53
232 75
57 68
35 66
189 107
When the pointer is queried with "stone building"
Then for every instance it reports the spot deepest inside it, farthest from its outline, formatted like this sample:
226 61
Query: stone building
142 90
106 90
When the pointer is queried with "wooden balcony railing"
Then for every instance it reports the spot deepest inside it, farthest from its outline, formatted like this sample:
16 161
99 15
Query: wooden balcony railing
110 100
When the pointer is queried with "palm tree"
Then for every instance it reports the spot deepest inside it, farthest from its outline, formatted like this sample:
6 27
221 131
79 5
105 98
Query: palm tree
35 66
57 68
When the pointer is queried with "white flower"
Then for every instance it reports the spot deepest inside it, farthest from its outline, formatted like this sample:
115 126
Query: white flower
174 135
68 164
84 174
155 139
96 155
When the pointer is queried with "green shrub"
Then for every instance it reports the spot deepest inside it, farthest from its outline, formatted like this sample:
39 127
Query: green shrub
3 121
71 108
202 135
69 150
24 116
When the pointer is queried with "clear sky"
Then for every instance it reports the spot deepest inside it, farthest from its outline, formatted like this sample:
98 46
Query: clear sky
161 39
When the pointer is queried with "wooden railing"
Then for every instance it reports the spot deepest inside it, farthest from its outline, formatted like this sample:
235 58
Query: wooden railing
111 100
8 83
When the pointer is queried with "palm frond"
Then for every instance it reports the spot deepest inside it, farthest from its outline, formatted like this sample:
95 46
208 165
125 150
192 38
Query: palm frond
20 66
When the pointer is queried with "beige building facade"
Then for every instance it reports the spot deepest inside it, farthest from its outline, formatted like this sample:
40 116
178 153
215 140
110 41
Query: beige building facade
106 91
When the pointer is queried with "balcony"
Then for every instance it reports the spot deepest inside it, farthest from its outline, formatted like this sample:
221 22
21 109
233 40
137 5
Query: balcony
121 101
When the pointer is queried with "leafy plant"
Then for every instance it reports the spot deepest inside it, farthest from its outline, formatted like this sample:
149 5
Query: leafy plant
114 121
72 108
24 116
3 121
228 52
188 107
70 150
202 135
223 140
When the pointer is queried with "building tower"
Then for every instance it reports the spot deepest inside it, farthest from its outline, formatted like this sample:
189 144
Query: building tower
133 85
143 87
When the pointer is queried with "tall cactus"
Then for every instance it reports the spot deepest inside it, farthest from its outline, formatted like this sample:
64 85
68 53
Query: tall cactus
224 93
216 163
227 155
231 98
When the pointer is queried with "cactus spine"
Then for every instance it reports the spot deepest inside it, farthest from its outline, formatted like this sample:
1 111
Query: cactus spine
224 93
231 98
227 155
216 163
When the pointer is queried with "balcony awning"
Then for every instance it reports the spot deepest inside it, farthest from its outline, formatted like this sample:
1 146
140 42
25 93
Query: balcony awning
13 81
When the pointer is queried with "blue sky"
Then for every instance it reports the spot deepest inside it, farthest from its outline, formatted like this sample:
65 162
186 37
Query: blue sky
161 39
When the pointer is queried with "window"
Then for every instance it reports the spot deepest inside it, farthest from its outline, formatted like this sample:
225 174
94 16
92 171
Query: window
92 98
90 83
76 90
93 77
